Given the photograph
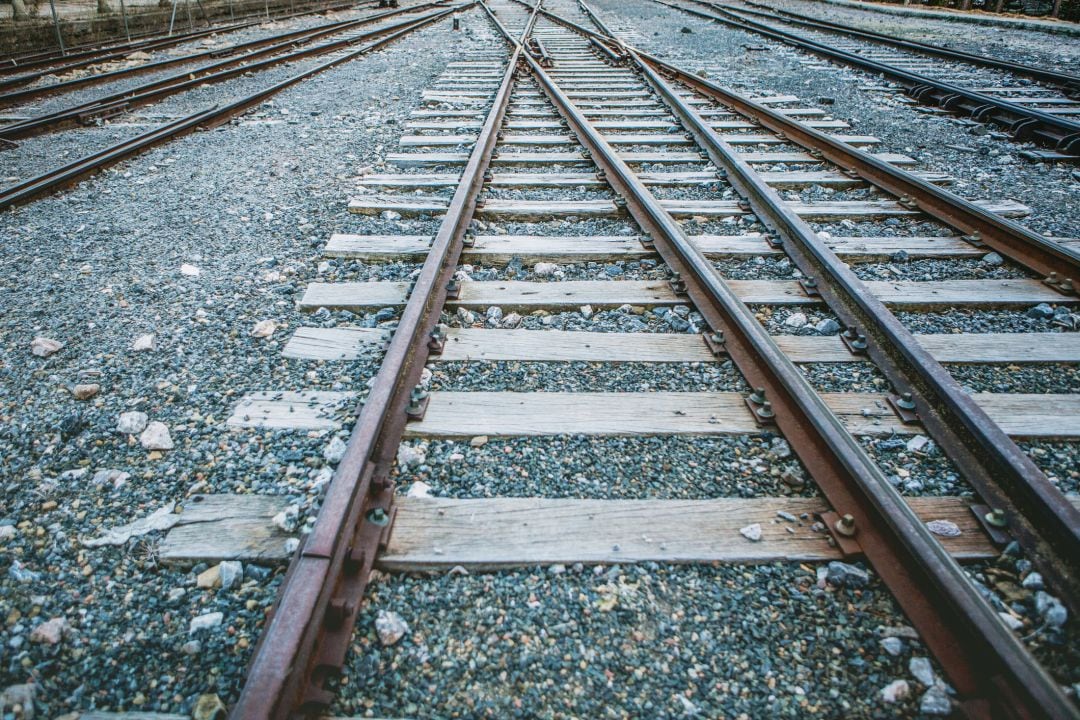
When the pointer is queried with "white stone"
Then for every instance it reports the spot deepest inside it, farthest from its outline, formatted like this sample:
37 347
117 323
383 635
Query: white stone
7 532
511 321
921 669
419 489
410 456
116 478
132 422
917 443
751 532
390 215
205 622
390 627
796 320
288 518
145 343
44 347
545 269
935 701
944 528
334 450
264 328
156 437
189 270
50 632
895 691
586 311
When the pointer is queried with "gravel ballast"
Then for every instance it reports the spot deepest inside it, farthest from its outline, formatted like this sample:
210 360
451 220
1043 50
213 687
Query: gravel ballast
248 207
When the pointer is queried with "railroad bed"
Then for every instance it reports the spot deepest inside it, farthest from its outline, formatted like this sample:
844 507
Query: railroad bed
668 417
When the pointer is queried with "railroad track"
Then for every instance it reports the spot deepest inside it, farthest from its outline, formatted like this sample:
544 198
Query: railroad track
241 59
1047 114
356 42
584 205
74 56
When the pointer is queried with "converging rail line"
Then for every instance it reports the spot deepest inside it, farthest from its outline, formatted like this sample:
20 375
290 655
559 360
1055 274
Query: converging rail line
574 125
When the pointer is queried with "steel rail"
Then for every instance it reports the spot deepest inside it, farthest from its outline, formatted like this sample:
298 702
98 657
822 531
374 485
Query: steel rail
1037 514
203 119
989 666
275 43
232 67
149 41
1023 122
1060 263
309 631
1035 73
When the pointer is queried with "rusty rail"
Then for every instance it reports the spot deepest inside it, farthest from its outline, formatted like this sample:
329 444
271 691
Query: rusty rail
308 634
231 67
212 117
240 52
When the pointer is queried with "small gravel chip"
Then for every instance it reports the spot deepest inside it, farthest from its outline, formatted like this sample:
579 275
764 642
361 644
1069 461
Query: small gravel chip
419 489
209 578
935 701
828 326
896 691
1011 621
132 422
921 669
188 270
85 392
50 632
478 441
231 572
1050 609
1034 581
844 575
390 627
44 347
944 528
917 443
1042 311
786 516
892 645
208 707
156 437
191 647
145 343
205 622
751 532
264 328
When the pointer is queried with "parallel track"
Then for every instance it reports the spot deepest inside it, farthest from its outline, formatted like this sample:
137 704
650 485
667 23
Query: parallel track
339 51
1024 117
290 47
599 94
